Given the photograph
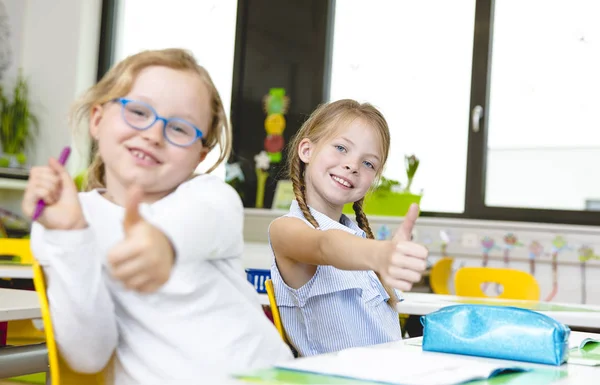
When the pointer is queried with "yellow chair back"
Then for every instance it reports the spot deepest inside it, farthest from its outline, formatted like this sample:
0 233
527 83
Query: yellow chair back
275 310
23 331
516 284
17 247
60 372
440 274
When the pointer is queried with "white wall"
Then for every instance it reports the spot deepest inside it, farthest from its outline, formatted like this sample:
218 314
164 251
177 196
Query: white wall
59 54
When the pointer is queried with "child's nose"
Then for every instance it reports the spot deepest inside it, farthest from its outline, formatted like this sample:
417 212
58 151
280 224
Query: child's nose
154 133
351 167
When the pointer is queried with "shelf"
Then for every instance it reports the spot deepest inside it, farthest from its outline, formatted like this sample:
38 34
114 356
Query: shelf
12 184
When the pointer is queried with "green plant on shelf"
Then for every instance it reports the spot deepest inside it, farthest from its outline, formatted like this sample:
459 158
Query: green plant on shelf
393 186
18 125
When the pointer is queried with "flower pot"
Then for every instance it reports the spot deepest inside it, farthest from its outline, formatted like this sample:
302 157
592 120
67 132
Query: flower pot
13 160
386 203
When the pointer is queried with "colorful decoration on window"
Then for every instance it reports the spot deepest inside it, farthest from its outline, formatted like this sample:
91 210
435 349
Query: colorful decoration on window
536 250
510 242
487 244
586 253
383 233
276 106
558 245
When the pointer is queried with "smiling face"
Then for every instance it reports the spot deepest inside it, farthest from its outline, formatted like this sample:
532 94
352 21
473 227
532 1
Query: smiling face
341 168
145 157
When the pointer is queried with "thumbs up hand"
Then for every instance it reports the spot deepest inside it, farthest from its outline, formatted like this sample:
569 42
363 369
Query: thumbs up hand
404 232
144 258
403 265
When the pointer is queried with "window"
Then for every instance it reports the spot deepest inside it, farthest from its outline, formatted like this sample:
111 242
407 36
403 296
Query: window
497 98
543 143
412 60
205 27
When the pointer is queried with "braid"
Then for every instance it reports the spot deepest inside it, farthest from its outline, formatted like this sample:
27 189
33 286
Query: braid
297 176
363 223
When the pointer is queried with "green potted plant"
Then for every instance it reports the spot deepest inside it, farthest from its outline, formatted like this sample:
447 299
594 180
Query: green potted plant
389 198
18 125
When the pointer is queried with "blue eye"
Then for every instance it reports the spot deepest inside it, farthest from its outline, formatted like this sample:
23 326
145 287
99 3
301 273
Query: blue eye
369 164
340 148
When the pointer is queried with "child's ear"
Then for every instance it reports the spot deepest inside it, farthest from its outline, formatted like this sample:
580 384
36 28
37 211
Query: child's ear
95 119
305 150
203 152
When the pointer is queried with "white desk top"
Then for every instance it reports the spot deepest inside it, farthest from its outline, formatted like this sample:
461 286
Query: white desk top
576 374
16 271
18 304
575 315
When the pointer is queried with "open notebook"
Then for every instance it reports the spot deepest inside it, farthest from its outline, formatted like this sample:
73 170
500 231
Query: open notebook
399 367
584 349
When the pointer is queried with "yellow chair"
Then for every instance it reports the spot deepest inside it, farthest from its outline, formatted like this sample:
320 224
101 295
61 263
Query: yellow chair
60 372
275 310
17 247
23 331
440 275
516 284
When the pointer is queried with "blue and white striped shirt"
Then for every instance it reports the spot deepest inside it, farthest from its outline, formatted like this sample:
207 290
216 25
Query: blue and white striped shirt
336 309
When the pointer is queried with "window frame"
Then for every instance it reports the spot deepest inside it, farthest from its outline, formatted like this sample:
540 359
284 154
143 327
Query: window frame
475 207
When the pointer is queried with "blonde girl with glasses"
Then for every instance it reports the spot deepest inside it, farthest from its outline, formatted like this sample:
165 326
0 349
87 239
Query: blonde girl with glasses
146 264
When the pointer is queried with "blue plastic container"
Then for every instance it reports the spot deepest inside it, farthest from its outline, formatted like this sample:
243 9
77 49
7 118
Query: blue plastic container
257 278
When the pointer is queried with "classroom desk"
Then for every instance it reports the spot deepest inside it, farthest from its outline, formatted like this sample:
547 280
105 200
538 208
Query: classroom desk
566 374
18 305
27 359
574 315
16 271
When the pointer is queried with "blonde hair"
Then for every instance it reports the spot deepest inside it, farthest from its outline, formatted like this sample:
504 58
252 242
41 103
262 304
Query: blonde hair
117 82
322 124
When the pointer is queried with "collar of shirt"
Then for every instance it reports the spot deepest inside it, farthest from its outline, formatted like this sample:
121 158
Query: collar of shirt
326 223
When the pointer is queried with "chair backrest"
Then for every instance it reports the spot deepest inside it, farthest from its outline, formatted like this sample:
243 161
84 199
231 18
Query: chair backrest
60 372
275 310
440 274
18 248
516 284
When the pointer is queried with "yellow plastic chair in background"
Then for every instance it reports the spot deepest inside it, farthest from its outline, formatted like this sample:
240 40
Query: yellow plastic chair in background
516 284
439 277
23 331
17 247
275 310
60 372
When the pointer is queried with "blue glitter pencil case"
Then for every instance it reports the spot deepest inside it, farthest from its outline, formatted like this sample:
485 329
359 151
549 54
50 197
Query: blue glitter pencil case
502 332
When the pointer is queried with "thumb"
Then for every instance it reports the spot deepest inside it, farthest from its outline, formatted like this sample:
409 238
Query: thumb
404 232
132 211
68 186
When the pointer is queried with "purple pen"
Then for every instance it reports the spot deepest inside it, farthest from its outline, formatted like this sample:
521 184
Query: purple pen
62 159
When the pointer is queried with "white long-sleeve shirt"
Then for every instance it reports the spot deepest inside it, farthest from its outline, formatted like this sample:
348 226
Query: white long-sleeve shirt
205 322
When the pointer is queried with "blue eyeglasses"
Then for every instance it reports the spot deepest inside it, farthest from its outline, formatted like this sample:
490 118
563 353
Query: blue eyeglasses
141 116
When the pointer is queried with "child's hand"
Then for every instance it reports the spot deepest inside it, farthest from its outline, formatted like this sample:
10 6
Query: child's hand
144 259
406 262
54 186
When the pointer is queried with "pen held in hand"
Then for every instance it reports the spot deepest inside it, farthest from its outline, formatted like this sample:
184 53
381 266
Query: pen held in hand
64 155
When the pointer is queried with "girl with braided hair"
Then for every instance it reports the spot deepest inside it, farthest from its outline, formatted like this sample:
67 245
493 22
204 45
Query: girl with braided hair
334 283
